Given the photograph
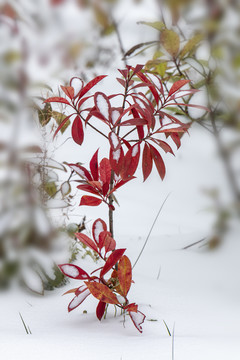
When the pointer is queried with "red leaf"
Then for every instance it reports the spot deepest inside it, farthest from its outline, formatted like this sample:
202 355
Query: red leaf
94 166
106 240
116 158
68 90
163 145
125 274
105 171
58 100
126 111
90 85
102 292
88 188
112 260
131 307
86 241
82 171
137 69
140 129
126 143
90 201
61 125
77 131
100 309
147 162
121 183
122 82
103 105
150 85
158 162
177 85
160 86
96 184
134 122
73 271
78 299
124 72
131 162
180 129
137 319
183 93
176 138
98 226
71 291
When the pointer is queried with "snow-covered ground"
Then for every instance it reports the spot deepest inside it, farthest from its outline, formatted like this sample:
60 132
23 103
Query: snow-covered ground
194 291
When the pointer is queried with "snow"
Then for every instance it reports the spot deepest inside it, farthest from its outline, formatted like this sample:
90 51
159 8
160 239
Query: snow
115 116
114 139
65 188
192 293
77 300
97 230
78 171
77 84
116 155
70 270
135 150
103 106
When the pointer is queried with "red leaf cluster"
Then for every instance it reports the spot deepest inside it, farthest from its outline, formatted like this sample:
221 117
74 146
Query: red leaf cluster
138 132
113 290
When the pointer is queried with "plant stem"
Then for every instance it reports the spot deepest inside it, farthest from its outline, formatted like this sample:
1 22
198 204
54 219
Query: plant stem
110 201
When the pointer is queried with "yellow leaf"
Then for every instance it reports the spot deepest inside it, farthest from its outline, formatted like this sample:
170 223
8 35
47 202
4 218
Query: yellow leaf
170 41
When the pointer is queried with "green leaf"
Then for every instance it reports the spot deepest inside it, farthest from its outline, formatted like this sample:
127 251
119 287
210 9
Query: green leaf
158 25
158 54
59 118
170 41
45 114
57 281
161 69
50 188
189 46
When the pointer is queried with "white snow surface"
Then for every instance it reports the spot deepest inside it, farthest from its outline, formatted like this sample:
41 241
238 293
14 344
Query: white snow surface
196 292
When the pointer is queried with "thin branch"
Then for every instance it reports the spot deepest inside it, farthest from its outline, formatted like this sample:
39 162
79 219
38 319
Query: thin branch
119 40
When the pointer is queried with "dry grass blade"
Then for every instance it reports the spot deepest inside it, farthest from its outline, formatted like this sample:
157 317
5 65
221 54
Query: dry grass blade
150 231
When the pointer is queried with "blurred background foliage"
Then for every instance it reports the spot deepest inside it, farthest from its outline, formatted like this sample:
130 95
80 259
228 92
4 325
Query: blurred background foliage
199 40
44 43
